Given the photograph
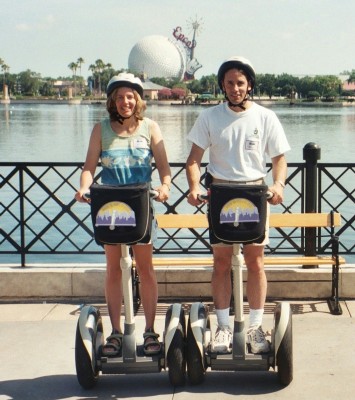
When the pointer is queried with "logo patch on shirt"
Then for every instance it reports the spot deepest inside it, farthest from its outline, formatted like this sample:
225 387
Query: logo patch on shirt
251 144
140 143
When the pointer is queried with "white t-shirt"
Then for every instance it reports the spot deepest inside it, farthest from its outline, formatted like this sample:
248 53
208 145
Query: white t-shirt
239 143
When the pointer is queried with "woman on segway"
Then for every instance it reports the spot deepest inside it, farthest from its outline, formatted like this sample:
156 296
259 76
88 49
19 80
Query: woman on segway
126 142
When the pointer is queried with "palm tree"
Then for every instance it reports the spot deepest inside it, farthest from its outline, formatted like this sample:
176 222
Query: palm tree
100 65
351 76
73 67
92 68
5 68
80 61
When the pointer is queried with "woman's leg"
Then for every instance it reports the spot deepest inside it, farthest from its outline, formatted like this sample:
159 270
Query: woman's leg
113 285
149 285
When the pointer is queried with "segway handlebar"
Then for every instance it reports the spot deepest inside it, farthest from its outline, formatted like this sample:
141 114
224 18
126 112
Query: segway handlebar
205 197
153 194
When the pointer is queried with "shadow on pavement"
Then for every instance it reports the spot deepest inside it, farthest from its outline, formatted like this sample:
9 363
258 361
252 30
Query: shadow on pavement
138 386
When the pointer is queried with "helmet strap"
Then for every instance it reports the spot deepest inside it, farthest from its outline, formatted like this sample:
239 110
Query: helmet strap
240 105
121 119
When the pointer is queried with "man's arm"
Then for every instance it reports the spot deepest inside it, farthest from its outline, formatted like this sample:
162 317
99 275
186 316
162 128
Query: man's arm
193 174
279 173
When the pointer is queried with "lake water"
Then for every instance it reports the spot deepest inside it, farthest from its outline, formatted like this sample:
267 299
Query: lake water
62 132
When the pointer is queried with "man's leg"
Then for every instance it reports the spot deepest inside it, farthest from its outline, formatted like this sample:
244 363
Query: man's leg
256 293
221 291
221 278
257 283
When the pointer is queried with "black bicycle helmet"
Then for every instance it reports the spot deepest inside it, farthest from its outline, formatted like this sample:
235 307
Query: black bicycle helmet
125 80
239 63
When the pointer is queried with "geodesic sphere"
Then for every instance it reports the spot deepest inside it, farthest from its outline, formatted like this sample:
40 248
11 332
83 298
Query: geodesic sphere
157 57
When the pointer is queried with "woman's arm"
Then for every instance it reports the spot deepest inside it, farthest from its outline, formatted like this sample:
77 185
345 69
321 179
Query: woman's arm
92 158
161 161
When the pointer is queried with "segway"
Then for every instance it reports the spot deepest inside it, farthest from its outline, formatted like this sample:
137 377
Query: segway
237 215
123 215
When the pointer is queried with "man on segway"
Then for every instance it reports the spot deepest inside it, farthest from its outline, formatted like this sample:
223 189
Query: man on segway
240 135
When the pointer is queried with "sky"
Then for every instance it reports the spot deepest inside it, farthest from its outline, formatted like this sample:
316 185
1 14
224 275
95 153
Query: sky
298 37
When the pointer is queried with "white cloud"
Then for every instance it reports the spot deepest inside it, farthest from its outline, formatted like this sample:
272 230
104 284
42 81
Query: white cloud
44 24
23 27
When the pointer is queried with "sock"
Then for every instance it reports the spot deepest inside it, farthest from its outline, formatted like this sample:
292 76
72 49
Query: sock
256 317
223 317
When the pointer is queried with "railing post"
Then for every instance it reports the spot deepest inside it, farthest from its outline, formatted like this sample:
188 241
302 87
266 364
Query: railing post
22 217
311 154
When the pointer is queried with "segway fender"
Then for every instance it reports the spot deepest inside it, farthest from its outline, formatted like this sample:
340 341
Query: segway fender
173 326
282 326
86 324
198 322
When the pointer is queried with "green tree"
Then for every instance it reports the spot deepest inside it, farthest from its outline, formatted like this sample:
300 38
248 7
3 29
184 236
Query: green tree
209 84
73 67
285 84
194 86
5 68
161 81
30 82
80 61
351 76
306 85
47 87
266 83
326 84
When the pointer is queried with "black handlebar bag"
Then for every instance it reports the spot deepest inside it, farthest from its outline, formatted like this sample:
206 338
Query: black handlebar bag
121 214
237 213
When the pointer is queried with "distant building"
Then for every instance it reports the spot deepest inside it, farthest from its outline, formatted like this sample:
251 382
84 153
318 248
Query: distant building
150 90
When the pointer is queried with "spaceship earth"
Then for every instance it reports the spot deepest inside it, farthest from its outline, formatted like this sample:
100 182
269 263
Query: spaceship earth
157 57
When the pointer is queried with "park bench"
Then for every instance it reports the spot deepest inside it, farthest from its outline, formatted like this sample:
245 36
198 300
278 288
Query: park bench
277 221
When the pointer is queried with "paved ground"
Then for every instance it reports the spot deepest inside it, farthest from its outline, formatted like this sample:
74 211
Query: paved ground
37 359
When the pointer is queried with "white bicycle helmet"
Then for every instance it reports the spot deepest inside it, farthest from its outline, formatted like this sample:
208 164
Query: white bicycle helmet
125 79
239 63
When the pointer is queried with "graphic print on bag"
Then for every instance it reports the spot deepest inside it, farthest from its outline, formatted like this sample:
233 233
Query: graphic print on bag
115 213
239 210
121 214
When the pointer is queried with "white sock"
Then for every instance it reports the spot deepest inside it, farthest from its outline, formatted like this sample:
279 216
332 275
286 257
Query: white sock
256 317
223 317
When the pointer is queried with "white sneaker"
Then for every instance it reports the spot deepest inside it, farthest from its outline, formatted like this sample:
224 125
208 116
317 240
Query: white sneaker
222 342
257 340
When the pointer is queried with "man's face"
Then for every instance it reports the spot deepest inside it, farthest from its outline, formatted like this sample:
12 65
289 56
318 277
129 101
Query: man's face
236 85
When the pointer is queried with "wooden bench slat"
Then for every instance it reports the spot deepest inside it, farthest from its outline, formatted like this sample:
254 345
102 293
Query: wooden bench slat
297 220
310 220
182 221
268 260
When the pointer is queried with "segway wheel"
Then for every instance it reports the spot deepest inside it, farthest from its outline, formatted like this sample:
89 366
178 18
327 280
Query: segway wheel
86 359
196 362
283 343
176 358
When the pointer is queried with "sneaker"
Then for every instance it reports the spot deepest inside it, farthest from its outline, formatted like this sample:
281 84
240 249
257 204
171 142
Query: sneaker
257 340
222 342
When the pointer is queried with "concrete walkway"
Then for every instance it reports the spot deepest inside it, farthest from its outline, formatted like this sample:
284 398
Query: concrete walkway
37 359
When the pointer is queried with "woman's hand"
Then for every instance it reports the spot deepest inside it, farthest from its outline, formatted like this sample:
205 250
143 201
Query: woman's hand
163 193
80 196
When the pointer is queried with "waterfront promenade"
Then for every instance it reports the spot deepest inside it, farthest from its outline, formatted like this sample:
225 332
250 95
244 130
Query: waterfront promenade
37 359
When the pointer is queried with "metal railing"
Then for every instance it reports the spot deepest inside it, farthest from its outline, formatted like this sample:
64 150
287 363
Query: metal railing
39 216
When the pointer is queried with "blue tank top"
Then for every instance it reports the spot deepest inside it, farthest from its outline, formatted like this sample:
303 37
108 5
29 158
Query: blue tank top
126 160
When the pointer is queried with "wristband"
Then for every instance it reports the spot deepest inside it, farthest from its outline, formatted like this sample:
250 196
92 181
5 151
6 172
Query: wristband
167 184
